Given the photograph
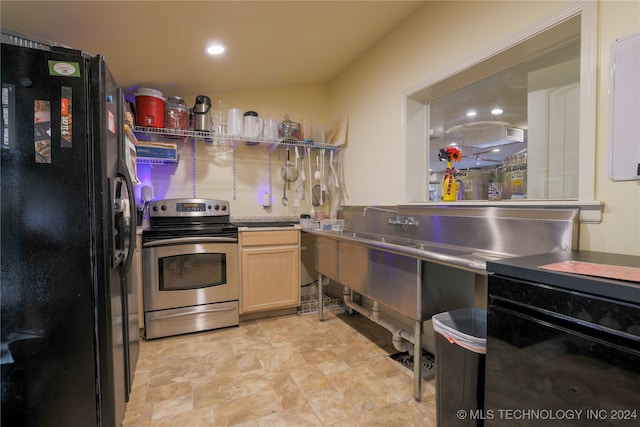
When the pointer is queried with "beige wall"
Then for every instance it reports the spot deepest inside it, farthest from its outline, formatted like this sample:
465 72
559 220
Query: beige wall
214 167
442 35
619 231
439 36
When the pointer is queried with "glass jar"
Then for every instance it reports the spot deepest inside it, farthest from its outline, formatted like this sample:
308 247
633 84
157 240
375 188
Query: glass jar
176 113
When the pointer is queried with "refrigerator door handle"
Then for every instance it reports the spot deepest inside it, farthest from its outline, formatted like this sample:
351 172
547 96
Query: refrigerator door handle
129 205
124 171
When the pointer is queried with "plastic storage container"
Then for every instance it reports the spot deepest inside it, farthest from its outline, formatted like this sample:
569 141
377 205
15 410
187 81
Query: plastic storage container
461 342
149 107
176 113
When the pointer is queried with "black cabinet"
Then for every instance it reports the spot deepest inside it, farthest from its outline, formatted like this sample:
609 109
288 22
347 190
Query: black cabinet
557 355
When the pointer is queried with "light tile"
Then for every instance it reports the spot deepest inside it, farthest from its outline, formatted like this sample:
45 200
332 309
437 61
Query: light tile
201 417
246 408
217 389
166 408
282 371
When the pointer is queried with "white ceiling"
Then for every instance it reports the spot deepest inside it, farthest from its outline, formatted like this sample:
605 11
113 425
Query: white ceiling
160 44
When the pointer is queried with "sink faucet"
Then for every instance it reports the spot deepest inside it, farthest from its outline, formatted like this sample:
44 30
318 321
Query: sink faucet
391 221
375 208
408 221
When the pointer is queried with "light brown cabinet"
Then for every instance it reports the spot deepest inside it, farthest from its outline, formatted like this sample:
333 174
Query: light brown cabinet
270 270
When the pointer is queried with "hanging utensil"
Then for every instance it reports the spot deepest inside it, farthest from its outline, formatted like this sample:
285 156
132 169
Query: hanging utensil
289 172
303 176
316 174
333 170
295 164
313 200
285 201
322 180
317 189
316 195
285 173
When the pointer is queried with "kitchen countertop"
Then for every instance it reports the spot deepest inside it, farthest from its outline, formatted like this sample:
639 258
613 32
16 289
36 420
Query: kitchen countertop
261 223
528 268
257 223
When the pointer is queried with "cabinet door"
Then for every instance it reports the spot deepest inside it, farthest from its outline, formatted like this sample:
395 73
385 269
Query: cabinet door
270 277
327 257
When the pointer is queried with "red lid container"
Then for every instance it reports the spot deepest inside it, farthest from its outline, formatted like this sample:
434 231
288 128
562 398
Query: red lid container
149 108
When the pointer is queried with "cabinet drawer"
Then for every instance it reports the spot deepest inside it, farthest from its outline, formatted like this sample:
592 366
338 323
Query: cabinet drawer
269 238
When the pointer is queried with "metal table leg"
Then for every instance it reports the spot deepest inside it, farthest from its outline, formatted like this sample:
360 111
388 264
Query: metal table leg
417 336
320 299
417 360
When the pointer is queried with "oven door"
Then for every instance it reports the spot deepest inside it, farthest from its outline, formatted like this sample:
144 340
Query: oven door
188 272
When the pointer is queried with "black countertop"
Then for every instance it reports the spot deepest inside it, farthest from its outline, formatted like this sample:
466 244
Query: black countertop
527 268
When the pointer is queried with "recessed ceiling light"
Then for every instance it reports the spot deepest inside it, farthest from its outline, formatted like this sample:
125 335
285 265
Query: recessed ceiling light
453 144
496 150
214 49
497 111
472 113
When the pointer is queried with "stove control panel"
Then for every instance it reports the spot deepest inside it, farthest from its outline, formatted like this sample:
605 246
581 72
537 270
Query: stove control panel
188 208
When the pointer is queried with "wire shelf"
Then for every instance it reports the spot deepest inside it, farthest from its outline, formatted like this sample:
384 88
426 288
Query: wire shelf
309 304
145 133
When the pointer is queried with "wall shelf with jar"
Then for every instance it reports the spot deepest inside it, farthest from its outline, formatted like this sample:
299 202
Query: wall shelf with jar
153 135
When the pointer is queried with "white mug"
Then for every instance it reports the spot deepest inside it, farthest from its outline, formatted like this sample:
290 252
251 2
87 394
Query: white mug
234 121
252 126
271 129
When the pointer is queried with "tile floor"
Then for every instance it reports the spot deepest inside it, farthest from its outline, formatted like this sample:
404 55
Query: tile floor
284 371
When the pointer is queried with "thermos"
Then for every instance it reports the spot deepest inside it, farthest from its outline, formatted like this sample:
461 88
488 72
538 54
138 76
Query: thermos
202 113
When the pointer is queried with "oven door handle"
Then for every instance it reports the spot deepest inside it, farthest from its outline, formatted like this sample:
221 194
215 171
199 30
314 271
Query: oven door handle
179 240
191 313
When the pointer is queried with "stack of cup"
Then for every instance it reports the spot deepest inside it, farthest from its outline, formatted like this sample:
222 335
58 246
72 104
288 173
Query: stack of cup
252 127
234 122
270 130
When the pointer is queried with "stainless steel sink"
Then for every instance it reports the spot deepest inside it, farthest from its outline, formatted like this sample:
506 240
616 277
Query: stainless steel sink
458 256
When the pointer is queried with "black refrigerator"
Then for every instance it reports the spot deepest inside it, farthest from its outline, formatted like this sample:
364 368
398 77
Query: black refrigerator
69 326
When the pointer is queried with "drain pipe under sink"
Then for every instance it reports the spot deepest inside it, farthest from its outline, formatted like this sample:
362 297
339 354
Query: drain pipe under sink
401 339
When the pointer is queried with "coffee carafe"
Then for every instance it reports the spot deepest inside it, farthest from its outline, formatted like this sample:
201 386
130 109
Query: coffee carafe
202 113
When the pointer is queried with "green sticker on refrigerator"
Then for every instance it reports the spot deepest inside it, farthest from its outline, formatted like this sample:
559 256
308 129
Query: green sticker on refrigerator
64 68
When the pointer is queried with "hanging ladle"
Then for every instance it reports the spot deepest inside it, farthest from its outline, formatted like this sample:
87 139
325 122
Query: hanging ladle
285 201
